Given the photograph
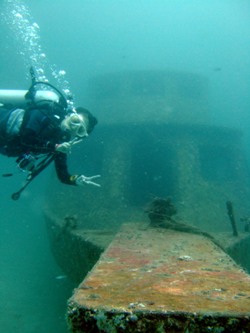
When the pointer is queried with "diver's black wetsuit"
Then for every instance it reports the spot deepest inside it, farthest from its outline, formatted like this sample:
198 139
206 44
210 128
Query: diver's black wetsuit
38 134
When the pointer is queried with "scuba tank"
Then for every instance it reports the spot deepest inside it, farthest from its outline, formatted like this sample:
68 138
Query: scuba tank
19 97
34 95
41 95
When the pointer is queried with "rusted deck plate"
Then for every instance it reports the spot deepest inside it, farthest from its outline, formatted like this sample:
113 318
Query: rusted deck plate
165 278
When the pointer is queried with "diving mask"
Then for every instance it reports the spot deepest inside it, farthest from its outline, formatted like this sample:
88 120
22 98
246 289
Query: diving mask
76 124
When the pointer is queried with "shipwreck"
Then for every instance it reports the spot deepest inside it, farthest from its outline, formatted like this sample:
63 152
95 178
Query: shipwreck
164 245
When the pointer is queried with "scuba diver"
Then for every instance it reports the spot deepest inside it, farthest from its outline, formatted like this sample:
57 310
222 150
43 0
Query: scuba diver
43 130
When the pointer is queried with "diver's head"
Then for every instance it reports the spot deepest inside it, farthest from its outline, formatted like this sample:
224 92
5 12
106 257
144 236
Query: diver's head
75 124
79 123
89 119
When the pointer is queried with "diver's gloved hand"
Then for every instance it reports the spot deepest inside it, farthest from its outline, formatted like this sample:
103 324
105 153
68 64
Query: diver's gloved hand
64 147
81 180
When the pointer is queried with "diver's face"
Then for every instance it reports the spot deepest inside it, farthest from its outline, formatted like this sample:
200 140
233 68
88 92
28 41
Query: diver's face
76 124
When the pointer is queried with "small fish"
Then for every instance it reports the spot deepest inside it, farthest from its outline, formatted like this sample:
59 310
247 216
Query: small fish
7 175
61 277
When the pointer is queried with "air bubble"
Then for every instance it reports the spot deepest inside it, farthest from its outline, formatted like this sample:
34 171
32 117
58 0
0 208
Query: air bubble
36 26
66 91
61 72
26 31
18 15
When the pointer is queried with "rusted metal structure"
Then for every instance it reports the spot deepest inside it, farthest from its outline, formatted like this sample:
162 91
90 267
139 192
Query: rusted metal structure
154 139
158 280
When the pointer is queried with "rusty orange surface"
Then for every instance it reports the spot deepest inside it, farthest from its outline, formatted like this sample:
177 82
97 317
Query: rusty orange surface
164 270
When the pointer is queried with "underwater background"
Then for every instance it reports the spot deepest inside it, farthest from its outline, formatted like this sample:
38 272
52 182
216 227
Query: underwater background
73 42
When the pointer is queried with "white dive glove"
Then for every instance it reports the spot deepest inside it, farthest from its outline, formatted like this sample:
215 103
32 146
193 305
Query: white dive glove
64 147
81 180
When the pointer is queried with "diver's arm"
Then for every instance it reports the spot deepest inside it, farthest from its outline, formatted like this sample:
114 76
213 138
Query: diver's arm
62 169
66 178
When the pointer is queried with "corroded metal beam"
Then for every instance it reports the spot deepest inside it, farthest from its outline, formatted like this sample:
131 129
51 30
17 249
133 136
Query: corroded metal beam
159 280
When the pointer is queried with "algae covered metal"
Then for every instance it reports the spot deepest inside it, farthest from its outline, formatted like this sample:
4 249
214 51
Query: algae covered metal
152 279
